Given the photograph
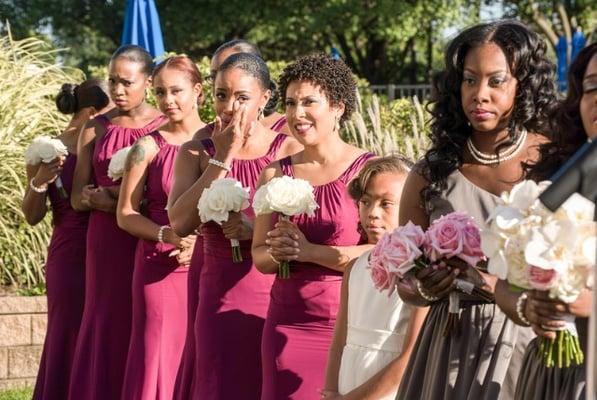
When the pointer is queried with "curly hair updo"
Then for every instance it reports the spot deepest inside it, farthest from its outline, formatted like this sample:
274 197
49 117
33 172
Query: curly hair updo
535 99
333 76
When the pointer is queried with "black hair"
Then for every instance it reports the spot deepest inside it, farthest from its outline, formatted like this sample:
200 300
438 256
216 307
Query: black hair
568 131
136 54
536 96
91 93
251 64
333 76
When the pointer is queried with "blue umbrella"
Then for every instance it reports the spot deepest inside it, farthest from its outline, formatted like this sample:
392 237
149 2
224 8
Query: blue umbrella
561 52
578 43
142 26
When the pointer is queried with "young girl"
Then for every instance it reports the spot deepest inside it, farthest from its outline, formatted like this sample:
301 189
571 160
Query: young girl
100 357
490 107
65 264
374 332
160 279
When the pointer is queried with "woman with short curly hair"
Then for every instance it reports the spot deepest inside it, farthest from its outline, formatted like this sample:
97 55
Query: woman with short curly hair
489 110
319 93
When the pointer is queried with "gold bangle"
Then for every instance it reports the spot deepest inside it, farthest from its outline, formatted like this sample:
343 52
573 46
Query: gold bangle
274 259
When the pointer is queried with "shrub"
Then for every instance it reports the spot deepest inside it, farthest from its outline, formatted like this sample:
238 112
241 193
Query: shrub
29 80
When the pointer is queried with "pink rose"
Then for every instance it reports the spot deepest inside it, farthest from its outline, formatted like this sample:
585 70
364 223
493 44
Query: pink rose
414 233
382 278
400 253
471 252
541 279
445 237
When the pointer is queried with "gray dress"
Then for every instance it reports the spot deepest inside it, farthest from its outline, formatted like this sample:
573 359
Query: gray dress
537 382
483 361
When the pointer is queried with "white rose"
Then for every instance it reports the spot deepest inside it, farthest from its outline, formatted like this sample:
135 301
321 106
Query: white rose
285 195
44 149
117 163
223 196
570 283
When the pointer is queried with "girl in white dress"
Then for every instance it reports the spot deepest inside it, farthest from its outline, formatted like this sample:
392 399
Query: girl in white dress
374 332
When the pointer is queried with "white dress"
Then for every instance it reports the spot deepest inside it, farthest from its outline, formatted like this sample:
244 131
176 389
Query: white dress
377 325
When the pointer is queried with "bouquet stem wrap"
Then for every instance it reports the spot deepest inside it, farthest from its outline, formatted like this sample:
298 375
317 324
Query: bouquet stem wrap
60 187
564 350
284 266
453 314
236 254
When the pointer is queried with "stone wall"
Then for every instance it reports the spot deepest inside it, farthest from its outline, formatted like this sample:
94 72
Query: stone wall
23 323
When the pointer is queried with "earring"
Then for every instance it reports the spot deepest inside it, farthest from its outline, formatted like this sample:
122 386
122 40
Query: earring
337 124
260 113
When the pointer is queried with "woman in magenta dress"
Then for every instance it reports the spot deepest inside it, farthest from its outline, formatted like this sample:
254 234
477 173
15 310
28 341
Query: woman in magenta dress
233 298
159 279
100 356
278 124
318 93
65 264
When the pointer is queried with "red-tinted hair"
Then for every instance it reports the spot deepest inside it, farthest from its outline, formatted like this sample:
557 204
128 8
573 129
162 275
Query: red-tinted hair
182 64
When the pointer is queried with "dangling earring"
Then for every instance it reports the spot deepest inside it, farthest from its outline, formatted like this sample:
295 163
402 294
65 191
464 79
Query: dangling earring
260 113
337 124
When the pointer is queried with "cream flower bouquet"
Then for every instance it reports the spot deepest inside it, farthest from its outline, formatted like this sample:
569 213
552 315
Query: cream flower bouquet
216 202
287 196
533 248
45 149
118 163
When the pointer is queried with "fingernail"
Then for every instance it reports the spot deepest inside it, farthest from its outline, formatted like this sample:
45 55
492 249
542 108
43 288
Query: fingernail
295 243
267 241
435 267
268 250
296 236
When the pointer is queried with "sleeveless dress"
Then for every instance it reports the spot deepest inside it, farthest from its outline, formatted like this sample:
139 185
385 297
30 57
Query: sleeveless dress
377 327
302 312
102 345
159 295
233 301
65 285
483 361
537 382
279 124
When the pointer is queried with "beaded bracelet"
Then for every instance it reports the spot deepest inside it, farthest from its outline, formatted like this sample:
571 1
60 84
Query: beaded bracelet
38 189
219 164
161 233
424 295
520 303
274 259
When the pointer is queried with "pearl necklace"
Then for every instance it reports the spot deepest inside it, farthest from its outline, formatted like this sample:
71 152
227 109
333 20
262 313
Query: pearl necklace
504 155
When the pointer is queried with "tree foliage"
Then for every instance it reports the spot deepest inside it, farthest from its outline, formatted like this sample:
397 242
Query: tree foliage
382 40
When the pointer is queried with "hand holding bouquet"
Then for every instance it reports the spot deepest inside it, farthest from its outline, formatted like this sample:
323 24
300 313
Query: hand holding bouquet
118 163
532 248
287 196
216 202
44 149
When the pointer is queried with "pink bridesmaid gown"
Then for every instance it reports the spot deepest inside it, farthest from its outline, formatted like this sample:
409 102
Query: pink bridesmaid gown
65 285
159 295
101 352
233 301
300 321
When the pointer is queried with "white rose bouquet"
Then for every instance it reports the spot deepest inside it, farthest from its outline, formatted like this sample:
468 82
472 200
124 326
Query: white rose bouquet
287 196
216 202
118 163
45 149
532 248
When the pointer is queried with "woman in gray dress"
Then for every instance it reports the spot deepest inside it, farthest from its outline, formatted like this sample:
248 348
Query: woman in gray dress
489 107
575 120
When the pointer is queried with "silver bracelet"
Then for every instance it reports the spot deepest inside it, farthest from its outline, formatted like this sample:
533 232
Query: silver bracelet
161 233
38 189
520 303
219 164
424 295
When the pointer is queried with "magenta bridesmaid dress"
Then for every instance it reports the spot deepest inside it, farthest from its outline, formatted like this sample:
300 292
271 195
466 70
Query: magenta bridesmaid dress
65 286
159 295
101 352
233 301
300 320
279 124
